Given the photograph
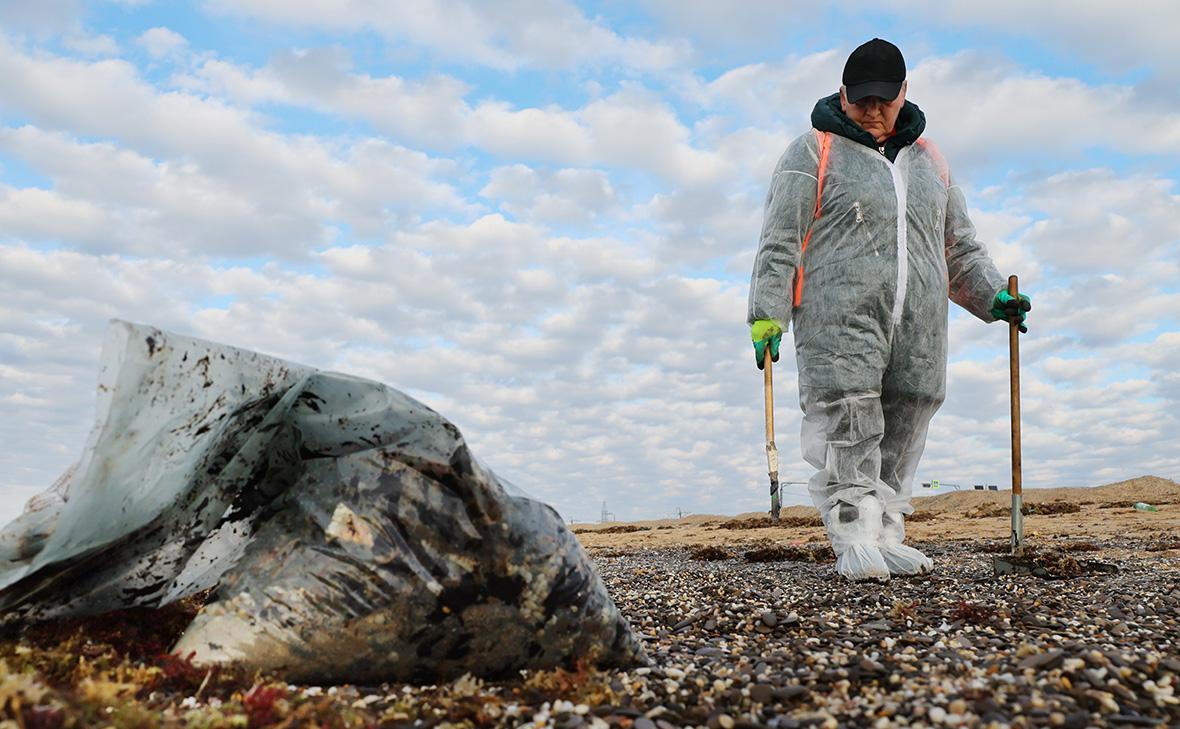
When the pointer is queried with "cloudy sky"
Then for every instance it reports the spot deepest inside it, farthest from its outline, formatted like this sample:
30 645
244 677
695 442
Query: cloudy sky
539 217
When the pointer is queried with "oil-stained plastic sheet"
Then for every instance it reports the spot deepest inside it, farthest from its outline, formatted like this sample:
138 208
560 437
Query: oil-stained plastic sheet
344 528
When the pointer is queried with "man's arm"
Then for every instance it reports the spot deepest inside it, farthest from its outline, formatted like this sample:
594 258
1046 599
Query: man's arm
790 208
973 277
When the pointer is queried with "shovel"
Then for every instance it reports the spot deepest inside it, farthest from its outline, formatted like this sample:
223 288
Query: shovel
1031 561
1014 328
771 449
1015 563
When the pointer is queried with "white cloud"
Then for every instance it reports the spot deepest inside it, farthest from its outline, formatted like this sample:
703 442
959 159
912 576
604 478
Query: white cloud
631 128
970 97
772 91
43 17
732 24
91 45
506 35
235 190
1126 34
635 127
548 134
559 197
161 42
1095 220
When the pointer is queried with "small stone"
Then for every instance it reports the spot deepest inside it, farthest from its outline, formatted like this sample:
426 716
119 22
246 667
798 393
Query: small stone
792 693
644 723
1133 720
870 666
1077 720
1042 661
937 714
762 693
986 706
769 619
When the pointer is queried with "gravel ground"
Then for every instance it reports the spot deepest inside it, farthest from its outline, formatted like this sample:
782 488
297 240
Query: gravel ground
735 644
787 644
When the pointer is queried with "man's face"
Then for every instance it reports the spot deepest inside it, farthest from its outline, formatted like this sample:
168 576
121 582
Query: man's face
875 115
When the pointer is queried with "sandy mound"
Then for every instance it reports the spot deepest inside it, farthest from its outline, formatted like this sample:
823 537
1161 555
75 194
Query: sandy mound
1053 512
1152 489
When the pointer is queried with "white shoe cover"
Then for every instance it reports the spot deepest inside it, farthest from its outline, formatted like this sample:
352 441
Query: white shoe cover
901 560
862 562
855 530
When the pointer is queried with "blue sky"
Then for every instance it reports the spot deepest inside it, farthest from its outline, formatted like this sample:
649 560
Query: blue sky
539 217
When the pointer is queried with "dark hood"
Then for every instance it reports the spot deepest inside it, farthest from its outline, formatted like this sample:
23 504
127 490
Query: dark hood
827 116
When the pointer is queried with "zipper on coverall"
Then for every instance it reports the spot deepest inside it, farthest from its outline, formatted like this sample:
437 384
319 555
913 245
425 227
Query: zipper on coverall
903 263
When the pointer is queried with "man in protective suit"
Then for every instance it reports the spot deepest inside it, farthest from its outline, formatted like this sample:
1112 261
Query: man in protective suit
864 235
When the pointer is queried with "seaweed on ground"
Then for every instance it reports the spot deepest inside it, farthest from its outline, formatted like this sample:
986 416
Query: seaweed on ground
985 511
772 552
617 529
1163 545
107 671
710 553
765 522
1050 508
972 612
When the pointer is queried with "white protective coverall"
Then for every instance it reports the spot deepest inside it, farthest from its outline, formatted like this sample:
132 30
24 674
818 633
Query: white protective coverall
890 241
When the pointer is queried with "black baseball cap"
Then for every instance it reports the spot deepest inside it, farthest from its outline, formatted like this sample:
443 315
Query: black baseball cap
875 68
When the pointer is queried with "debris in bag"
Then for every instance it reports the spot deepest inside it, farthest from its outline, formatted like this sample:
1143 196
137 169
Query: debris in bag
347 532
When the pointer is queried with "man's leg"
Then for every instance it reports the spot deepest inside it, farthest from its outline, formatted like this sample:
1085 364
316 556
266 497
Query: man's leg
907 420
841 438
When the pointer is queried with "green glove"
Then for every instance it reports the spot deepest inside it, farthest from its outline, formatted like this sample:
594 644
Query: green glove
762 333
1006 307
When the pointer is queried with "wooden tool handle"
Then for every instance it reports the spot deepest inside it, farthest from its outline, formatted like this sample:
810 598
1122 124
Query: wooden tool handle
1014 376
1017 540
771 448
768 391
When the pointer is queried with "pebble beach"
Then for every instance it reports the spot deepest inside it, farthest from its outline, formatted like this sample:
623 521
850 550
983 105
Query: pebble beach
746 625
